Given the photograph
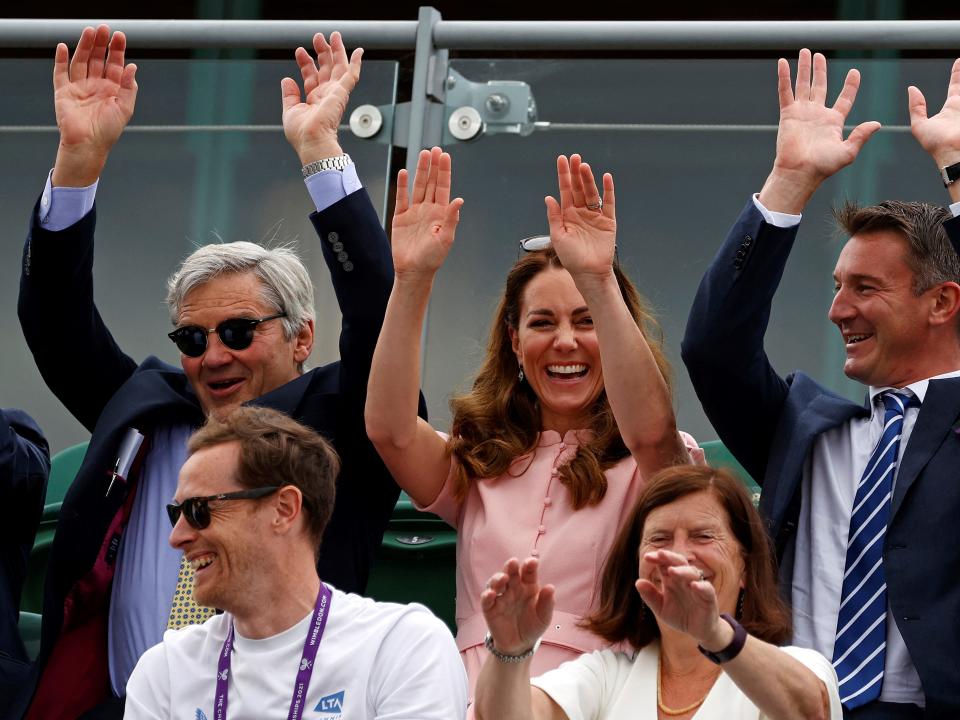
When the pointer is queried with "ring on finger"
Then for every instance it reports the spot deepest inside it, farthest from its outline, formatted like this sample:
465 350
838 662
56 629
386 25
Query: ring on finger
595 206
702 578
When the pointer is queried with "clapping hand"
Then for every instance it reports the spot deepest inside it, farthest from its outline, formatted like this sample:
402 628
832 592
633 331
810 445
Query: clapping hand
94 97
517 609
310 125
423 229
684 600
938 135
583 226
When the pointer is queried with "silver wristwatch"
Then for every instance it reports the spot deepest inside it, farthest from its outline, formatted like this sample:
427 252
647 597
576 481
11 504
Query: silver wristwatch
503 657
338 162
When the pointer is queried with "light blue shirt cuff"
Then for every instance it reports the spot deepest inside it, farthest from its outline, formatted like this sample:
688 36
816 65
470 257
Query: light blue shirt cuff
955 208
777 219
330 186
61 207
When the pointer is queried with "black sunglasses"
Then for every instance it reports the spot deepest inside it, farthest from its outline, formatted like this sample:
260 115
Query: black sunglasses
235 333
196 510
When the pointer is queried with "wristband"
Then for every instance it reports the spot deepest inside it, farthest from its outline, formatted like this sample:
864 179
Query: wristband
731 650
503 657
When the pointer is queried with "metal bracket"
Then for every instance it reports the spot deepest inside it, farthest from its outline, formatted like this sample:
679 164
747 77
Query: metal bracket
469 109
492 107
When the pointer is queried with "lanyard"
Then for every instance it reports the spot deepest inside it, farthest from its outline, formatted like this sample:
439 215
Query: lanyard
320 613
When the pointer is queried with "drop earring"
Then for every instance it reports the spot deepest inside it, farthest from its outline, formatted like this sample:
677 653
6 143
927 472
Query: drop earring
520 374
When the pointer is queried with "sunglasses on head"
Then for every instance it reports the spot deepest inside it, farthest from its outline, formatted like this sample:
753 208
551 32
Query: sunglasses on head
535 243
235 333
196 510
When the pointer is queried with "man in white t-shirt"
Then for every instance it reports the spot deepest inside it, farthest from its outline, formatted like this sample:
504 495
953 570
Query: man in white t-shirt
251 504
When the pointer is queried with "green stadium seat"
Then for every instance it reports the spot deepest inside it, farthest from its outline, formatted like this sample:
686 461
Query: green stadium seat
30 633
417 562
63 468
719 457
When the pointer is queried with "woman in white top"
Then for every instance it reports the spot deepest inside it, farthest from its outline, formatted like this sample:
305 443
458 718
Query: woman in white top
689 594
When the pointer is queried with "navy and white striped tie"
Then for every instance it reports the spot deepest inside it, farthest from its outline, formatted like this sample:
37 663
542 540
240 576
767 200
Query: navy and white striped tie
860 648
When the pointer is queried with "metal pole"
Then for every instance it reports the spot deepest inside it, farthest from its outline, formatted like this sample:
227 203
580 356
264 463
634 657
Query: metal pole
699 35
196 34
702 36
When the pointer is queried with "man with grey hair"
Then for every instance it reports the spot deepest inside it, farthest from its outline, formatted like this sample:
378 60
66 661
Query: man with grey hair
244 325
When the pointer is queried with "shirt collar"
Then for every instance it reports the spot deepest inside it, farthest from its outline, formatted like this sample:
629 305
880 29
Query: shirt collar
919 388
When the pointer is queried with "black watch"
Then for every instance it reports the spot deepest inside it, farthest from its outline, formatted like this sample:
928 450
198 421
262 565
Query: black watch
950 173
731 650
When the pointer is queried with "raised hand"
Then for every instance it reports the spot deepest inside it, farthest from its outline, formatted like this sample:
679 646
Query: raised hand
810 142
310 125
423 229
516 608
583 226
684 600
94 97
938 135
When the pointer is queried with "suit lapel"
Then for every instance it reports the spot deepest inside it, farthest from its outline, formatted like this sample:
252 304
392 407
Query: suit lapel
824 412
939 411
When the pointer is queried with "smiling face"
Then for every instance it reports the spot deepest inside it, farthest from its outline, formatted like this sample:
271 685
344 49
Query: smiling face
228 555
223 378
556 345
697 527
885 326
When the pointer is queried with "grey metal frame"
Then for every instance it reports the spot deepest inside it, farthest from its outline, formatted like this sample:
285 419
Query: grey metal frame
508 35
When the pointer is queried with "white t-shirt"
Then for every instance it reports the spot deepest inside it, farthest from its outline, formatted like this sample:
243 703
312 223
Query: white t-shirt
609 685
375 660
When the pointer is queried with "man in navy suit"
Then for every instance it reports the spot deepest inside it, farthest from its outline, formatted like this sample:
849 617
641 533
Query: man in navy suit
24 467
822 460
243 320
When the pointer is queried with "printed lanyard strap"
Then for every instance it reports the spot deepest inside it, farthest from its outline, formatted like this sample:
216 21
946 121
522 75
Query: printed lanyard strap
321 612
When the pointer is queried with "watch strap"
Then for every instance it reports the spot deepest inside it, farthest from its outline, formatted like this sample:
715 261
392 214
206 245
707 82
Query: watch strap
950 173
731 650
338 162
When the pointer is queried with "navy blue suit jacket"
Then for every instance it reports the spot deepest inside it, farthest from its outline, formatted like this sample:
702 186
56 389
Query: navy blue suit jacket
770 423
109 393
24 467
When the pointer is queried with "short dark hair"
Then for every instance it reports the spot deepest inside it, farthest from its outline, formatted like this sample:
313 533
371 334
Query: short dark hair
930 255
277 450
621 616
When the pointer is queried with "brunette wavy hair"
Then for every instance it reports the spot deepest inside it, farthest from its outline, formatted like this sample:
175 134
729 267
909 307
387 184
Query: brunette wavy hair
622 615
498 420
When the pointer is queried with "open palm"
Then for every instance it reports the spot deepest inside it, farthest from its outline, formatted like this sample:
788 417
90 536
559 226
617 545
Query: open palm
683 601
517 609
423 230
583 226
95 94
310 120
810 137
938 135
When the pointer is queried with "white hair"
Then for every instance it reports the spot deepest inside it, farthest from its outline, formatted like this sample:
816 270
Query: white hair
284 280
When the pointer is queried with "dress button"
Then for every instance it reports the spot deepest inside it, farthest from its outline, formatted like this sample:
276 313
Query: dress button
542 529
534 553
547 501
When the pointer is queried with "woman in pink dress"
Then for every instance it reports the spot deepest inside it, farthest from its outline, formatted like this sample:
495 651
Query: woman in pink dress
570 410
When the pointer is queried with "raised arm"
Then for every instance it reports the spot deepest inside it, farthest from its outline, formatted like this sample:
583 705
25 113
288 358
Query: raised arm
779 685
722 348
518 611
423 232
94 95
583 231
939 135
810 142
